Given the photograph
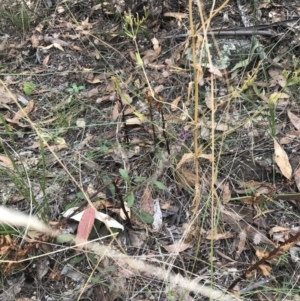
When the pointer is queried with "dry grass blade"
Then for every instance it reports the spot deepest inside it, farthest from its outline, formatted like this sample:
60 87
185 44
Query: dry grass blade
15 218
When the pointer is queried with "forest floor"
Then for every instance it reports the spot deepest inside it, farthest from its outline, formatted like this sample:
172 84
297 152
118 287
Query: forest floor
170 129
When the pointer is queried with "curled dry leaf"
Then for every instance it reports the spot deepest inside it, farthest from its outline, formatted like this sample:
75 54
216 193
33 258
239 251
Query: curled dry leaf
174 104
282 160
23 112
188 157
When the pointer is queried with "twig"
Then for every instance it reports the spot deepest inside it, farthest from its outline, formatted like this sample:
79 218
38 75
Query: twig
273 254
232 32
247 23
260 30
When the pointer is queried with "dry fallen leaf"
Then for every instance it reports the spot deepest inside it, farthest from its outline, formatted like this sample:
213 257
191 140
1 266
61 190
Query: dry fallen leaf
23 112
150 55
265 269
146 202
278 229
115 112
177 247
176 15
34 41
46 60
5 97
218 236
3 44
188 157
209 101
185 177
174 104
277 77
5 161
297 178
226 193
241 243
106 219
214 70
85 226
282 160
295 120
134 120
80 122
274 97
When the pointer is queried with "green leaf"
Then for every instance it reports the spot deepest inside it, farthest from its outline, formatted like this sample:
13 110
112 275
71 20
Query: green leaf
80 195
6 230
139 179
76 259
93 258
124 175
142 216
139 115
64 238
242 64
28 87
160 185
130 199
138 59
110 268
74 204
